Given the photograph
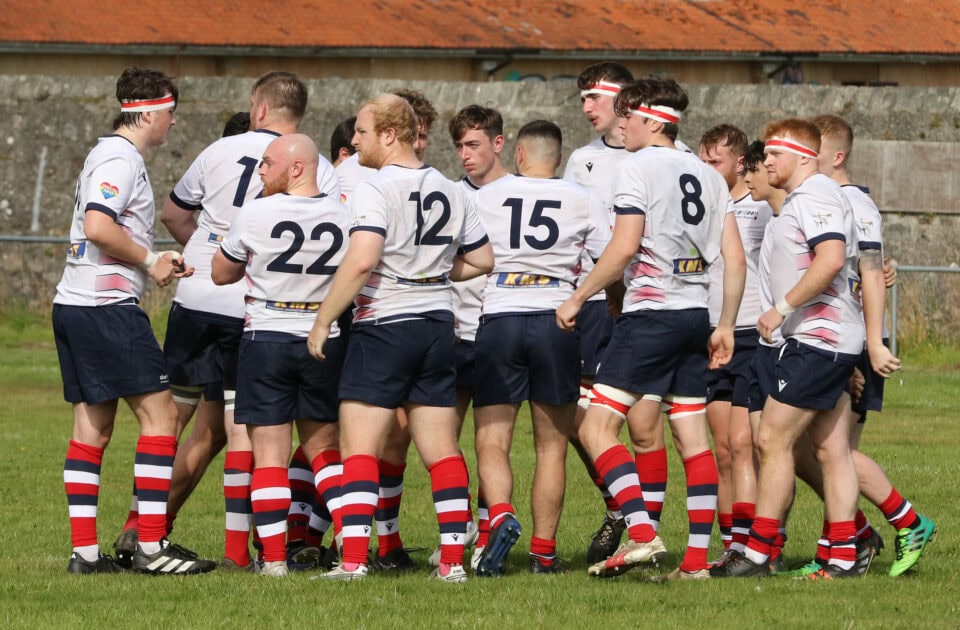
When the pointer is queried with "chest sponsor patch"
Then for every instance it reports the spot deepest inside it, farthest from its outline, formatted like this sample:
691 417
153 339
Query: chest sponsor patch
76 250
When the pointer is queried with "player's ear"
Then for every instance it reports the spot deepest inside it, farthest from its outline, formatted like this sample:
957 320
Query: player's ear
498 144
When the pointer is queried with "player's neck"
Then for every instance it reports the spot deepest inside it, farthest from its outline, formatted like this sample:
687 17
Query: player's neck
537 171
496 172
739 190
304 186
776 201
612 139
841 176
802 174
401 155
136 136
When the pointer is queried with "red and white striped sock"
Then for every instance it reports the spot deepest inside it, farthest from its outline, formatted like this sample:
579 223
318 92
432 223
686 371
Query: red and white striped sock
270 498
620 477
327 477
652 470
302 491
387 514
483 520
81 479
701 474
763 534
742 520
359 500
152 471
843 544
898 511
448 481
237 469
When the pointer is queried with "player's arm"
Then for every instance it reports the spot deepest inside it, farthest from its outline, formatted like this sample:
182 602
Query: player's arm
734 277
101 230
828 260
362 257
471 262
180 222
226 269
873 289
619 252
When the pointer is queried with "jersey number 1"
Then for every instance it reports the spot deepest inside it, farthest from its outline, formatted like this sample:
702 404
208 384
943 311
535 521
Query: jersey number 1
432 235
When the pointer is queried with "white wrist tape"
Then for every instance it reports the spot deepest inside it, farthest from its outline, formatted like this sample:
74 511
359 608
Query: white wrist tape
149 261
784 308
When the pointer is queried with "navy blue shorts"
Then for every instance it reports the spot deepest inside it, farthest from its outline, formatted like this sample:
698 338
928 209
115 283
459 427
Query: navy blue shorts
658 352
526 357
201 348
763 378
731 382
596 327
107 353
279 382
872 397
466 367
811 378
412 360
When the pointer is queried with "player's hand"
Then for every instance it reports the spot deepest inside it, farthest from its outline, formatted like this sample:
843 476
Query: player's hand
768 323
889 272
162 270
181 269
720 347
567 315
318 336
882 360
856 385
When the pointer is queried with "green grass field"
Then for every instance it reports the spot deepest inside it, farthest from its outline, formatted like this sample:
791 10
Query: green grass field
915 439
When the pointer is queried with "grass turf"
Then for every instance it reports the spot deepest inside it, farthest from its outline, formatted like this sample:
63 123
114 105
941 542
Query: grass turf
914 439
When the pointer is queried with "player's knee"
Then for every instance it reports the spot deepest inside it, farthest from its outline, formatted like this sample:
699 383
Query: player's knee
612 399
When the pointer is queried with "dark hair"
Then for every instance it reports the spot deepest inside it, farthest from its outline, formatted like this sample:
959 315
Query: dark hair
754 155
477 117
137 84
283 92
541 129
426 114
238 123
342 138
727 136
653 90
604 71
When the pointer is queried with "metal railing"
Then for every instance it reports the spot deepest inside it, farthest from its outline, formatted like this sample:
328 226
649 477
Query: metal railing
895 295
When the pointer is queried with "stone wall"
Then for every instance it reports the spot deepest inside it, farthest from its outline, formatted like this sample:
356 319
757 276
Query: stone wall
905 152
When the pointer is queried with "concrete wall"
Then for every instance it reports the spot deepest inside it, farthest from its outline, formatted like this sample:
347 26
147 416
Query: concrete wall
905 151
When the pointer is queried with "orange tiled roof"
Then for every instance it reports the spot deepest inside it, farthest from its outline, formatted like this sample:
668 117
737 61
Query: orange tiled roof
725 26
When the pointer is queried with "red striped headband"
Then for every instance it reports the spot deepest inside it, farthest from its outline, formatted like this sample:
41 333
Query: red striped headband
147 105
790 146
603 88
661 113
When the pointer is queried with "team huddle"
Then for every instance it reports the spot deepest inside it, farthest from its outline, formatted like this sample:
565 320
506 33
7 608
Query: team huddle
370 301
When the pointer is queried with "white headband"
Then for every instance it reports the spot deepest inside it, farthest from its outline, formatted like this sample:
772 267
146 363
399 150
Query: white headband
790 146
148 105
603 88
661 113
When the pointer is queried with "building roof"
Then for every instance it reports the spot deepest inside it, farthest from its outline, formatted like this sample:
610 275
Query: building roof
544 27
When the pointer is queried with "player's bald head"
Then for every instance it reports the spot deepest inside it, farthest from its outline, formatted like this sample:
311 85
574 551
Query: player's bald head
296 147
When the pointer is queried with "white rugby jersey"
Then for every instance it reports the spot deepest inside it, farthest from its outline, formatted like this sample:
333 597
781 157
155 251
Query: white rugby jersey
593 166
292 246
350 173
219 182
540 230
424 219
752 218
683 202
817 211
468 295
763 273
113 181
869 226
